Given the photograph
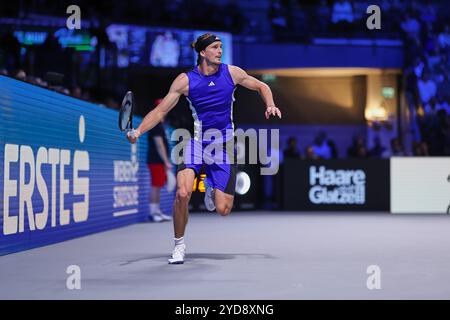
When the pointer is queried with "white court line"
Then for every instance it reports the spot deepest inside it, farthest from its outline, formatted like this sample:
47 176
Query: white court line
125 212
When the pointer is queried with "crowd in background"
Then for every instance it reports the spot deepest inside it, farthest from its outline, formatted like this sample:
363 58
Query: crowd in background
54 81
300 20
323 148
423 25
197 14
427 73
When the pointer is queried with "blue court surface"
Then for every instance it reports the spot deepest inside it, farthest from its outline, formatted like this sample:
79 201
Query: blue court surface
257 255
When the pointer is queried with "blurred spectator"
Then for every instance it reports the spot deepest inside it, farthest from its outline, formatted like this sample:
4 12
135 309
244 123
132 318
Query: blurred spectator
416 149
333 148
52 57
297 21
444 65
444 103
424 148
378 150
321 147
427 88
414 53
159 165
443 88
278 18
357 144
165 51
171 10
362 153
418 67
20 75
420 149
112 103
323 15
11 49
444 37
3 72
233 19
410 26
342 15
309 153
342 11
414 8
291 150
396 148
432 107
439 142
76 92
37 81
428 14
430 43
433 59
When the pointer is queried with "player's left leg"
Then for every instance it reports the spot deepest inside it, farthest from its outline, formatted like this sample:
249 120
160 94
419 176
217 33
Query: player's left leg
221 177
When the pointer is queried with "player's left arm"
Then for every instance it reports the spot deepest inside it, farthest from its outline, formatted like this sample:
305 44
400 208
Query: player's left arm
241 77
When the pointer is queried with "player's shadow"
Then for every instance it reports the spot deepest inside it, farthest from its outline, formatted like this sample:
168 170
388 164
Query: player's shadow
228 256
202 256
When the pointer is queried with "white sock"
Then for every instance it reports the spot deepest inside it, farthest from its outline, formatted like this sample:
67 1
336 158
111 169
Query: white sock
179 241
154 208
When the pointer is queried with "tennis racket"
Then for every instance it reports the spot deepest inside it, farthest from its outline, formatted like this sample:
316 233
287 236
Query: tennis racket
126 114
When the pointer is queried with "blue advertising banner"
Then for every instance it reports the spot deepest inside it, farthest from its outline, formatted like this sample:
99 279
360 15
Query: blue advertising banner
65 169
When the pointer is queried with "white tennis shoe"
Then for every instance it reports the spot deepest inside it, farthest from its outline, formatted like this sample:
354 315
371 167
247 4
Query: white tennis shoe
158 216
162 217
178 254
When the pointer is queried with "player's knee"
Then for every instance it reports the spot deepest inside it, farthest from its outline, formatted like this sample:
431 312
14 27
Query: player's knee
223 209
183 195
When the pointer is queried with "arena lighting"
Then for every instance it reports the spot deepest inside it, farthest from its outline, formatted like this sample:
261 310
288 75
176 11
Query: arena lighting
376 113
242 183
326 72
388 92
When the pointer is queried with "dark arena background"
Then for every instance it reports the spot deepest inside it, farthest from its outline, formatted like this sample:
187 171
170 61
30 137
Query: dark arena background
349 195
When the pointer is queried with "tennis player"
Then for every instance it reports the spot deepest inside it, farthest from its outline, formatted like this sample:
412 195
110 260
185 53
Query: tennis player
209 88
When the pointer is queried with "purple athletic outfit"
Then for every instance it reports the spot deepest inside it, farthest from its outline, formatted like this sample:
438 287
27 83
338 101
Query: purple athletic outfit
211 101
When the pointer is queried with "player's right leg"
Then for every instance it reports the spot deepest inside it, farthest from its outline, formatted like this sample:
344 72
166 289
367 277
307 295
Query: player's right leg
185 183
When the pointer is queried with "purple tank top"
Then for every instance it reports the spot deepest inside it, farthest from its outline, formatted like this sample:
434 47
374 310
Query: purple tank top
211 101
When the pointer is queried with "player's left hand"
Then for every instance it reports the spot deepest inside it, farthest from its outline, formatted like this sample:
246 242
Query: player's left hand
274 111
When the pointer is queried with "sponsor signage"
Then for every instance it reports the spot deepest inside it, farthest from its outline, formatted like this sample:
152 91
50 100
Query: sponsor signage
420 185
65 169
336 185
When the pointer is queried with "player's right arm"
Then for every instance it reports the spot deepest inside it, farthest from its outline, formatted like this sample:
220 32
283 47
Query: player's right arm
179 86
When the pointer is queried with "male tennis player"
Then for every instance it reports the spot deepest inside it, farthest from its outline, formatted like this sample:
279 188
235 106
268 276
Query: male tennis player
209 88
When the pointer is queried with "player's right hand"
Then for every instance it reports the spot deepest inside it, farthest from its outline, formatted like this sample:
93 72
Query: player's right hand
133 135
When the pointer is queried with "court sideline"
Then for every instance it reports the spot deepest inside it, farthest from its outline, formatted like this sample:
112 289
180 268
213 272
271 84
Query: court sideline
253 255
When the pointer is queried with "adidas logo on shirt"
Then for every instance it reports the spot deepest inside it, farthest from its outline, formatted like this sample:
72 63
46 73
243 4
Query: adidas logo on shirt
211 84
